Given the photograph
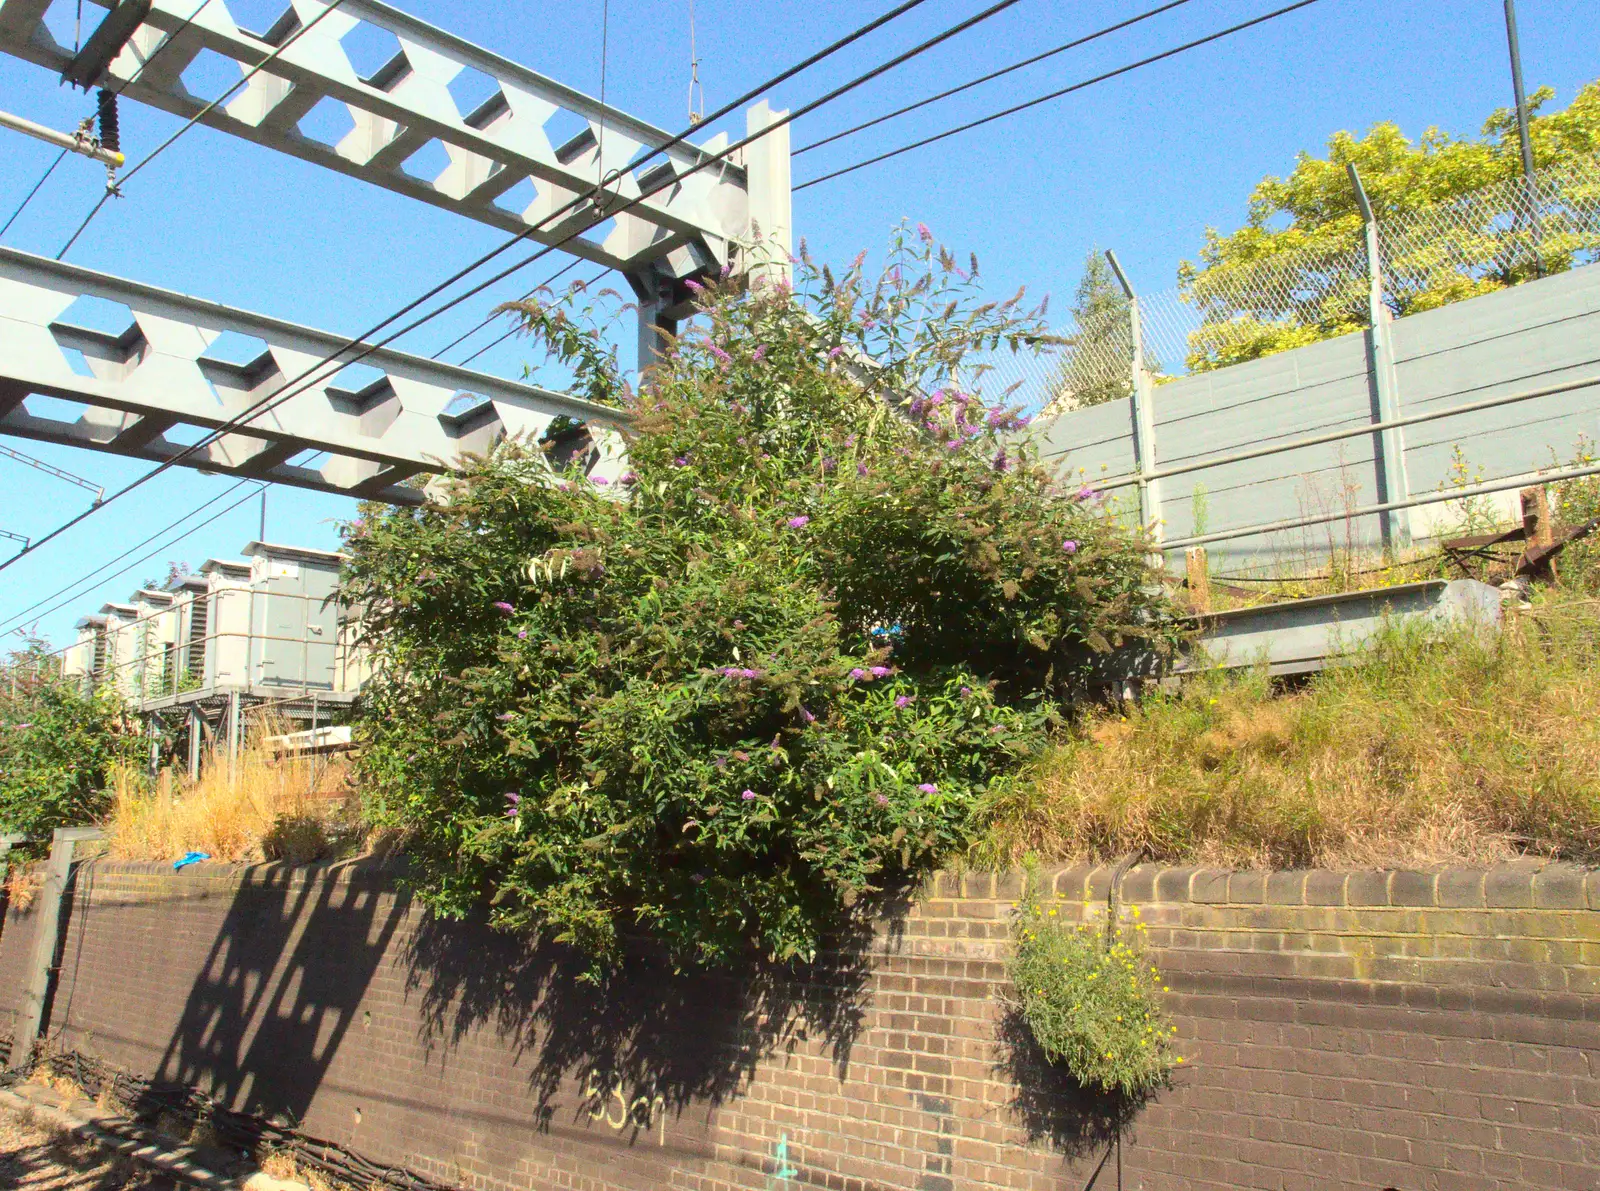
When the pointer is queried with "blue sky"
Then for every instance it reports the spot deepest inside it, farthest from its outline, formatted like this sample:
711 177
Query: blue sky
1141 164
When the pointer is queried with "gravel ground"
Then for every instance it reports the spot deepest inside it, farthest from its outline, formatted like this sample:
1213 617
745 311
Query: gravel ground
37 1157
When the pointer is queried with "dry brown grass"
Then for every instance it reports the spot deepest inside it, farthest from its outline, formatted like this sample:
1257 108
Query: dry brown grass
1430 751
261 808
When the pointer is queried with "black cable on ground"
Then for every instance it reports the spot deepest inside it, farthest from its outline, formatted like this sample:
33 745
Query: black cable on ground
279 396
1057 94
143 1100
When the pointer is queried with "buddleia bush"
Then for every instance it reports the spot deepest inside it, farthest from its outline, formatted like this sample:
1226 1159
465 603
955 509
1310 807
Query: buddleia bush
775 669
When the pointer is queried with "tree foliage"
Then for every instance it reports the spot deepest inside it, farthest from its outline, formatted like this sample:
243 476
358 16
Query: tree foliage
1098 364
57 745
1295 273
775 669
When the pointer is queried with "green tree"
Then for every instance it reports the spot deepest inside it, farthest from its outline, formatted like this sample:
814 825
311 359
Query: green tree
58 744
776 669
1097 365
1295 273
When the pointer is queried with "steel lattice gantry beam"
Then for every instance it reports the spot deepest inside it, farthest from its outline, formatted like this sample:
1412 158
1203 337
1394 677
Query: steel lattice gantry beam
697 223
145 382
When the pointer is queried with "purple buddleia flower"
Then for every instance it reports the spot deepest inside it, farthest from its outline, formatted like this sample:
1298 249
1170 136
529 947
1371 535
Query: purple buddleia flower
829 463
694 286
1001 462
681 461
1087 492
799 522
721 355
902 701
522 634
502 606
505 716
928 788
748 795
513 804
835 353
881 671
966 692
859 674
927 236
757 355
1069 547
600 480
861 469
883 800
807 716
628 477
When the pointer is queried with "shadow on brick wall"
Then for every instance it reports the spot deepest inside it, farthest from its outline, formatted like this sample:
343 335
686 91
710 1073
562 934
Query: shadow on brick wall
691 1038
279 989
1052 1106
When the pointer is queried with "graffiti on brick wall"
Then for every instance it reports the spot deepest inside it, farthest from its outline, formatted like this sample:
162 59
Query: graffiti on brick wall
607 1102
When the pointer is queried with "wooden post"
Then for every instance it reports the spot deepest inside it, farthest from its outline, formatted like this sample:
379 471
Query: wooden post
47 918
1199 578
1537 526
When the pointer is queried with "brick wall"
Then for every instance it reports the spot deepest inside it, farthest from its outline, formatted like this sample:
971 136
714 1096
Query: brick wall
1361 1030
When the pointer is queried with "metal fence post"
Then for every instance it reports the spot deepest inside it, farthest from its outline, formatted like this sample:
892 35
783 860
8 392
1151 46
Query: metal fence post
1142 400
30 1019
1392 485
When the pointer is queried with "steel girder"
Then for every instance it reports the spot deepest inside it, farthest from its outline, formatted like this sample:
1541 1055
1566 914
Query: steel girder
405 107
147 381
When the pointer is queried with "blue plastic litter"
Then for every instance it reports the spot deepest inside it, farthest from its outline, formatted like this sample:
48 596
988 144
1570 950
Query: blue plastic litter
190 858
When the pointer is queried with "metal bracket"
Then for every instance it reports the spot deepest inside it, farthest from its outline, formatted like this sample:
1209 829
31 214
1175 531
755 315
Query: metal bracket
108 40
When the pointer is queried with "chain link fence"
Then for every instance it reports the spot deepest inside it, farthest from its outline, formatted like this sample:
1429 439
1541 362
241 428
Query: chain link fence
1432 255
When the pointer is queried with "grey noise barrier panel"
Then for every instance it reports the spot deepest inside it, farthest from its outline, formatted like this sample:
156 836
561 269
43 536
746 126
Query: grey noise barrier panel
1487 353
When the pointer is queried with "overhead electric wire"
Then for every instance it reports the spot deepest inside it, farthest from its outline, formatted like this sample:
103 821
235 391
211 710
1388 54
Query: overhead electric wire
144 558
131 79
551 280
990 77
82 579
279 396
273 400
694 123
37 186
200 115
1015 108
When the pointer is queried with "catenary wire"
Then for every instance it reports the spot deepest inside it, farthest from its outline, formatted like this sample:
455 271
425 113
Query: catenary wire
731 105
37 186
273 400
200 115
725 109
18 617
464 336
498 340
144 558
1031 103
131 79
279 396
905 6
990 77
